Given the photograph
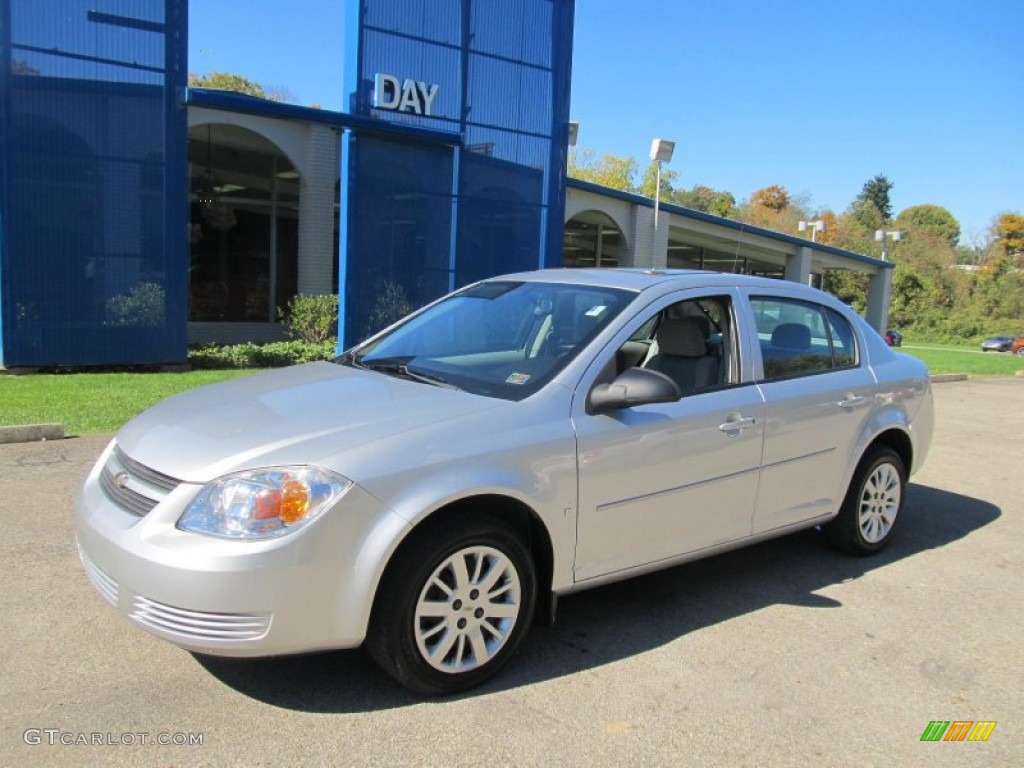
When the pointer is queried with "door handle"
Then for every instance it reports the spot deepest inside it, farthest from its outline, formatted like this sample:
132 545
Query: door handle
850 401
737 423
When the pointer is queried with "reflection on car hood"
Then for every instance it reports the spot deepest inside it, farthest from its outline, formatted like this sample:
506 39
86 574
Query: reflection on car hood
302 414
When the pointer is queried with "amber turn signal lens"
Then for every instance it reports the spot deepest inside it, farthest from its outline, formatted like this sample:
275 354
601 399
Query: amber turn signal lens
294 502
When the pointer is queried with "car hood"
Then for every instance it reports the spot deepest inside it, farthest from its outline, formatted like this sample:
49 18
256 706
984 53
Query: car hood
300 415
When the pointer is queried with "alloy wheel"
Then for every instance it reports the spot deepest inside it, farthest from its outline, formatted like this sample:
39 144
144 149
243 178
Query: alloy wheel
467 609
879 503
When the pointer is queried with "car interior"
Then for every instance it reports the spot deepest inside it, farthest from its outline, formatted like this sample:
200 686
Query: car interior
686 342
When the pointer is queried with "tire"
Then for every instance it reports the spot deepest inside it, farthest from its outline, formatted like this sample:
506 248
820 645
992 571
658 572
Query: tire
433 629
872 509
1020 352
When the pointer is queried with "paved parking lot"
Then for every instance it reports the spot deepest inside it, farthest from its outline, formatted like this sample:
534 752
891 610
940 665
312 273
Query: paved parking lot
783 654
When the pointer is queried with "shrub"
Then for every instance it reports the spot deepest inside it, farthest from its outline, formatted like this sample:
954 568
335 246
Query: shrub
314 319
275 355
391 305
142 306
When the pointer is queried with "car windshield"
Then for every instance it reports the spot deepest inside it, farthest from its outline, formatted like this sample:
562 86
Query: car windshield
498 338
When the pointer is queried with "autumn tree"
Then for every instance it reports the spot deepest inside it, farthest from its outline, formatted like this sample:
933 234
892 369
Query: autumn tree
933 219
608 170
828 234
1009 233
775 198
773 207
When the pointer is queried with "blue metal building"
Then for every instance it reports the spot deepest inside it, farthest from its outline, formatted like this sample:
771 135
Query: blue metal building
457 118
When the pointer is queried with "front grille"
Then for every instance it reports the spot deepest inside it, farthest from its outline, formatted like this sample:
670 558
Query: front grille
198 625
105 585
133 486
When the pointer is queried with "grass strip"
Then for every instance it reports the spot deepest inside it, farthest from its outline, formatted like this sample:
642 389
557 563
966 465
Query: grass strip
94 402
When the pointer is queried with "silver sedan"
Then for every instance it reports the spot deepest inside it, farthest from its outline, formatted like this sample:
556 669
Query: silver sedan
433 490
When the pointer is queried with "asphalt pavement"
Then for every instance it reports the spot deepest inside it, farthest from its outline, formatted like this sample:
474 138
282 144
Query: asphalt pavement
784 654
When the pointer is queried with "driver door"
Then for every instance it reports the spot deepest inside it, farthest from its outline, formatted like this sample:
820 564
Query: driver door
663 480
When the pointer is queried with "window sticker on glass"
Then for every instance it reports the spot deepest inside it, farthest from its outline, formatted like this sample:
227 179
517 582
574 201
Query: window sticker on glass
518 378
596 311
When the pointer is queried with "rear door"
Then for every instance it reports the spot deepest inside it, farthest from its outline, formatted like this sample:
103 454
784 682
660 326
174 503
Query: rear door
818 394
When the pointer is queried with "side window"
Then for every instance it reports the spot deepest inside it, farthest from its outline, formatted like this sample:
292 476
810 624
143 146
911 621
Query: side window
844 347
796 339
691 342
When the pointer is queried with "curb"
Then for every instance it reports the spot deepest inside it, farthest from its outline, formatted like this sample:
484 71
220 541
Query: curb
31 433
942 378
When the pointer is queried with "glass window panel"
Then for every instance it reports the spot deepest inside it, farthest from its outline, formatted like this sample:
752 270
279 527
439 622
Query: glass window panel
792 337
844 345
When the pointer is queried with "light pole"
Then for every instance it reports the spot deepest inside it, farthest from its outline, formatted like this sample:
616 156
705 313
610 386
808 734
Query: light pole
661 152
815 227
884 237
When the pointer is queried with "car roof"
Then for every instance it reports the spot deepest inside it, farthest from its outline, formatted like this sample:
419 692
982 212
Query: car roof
640 280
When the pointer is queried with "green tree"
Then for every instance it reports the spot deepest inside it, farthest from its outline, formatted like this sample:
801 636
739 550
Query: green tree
608 170
706 199
390 306
228 81
20 67
933 219
848 286
650 181
875 196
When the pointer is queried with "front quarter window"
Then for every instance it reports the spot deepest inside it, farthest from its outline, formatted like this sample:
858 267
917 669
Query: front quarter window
498 338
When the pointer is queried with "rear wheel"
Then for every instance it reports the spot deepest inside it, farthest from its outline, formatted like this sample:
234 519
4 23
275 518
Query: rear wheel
871 510
454 606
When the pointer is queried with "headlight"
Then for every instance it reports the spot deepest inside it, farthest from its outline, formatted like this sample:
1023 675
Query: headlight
263 503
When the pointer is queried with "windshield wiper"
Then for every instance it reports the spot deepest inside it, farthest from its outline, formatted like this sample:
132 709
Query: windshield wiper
399 366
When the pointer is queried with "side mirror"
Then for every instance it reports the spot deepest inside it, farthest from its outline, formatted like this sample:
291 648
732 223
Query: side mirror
635 386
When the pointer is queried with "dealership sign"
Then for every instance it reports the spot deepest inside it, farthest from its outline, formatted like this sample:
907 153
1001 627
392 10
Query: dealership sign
403 96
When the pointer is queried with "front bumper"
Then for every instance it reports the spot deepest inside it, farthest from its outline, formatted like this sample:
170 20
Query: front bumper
307 591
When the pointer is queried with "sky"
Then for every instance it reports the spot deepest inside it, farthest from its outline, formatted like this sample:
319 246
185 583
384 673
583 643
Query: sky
816 96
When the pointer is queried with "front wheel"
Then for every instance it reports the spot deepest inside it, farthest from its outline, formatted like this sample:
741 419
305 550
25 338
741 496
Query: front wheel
454 606
871 510
1020 352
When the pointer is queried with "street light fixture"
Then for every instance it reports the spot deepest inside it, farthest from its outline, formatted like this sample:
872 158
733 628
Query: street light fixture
661 152
574 132
815 227
884 237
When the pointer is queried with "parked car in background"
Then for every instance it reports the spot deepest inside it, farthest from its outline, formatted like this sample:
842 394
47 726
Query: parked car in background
433 490
997 344
1017 347
894 338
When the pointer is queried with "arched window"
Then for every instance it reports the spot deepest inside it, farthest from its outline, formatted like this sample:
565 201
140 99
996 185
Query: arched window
593 239
244 225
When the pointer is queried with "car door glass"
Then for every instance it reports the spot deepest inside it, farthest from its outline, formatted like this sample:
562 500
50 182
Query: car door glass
689 341
844 348
793 338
